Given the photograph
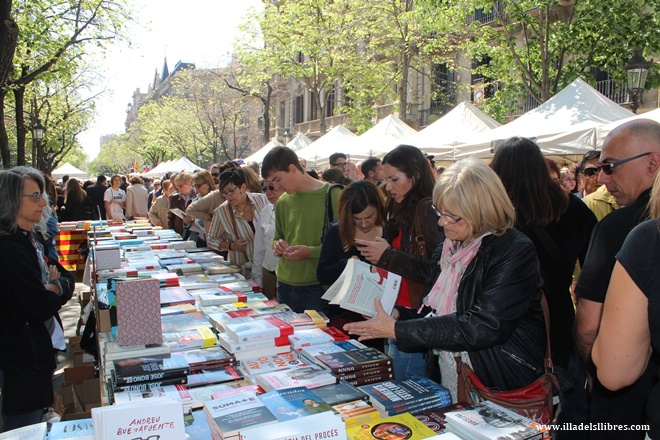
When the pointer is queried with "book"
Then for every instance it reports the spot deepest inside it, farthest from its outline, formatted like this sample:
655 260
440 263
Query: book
136 370
238 348
138 312
177 310
184 269
310 352
325 426
316 336
378 371
184 322
143 386
198 338
78 429
310 376
161 417
435 418
308 319
360 284
359 381
113 351
196 426
266 364
355 360
217 297
215 375
37 431
340 392
487 420
232 415
356 411
204 358
256 329
172 296
402 426
293 403
403 395
174 392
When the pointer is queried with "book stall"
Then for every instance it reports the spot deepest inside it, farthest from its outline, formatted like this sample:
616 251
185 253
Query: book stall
187 348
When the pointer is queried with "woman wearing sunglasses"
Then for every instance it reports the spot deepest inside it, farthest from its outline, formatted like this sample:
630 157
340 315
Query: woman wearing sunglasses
234 222
484 289
33 290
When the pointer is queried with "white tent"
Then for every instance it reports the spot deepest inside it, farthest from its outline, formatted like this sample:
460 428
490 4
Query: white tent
555 124
69 170
258 156
441 137
380 139
339 139
182 164
299 142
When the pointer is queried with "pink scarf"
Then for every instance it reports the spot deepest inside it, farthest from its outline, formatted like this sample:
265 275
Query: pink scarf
456 256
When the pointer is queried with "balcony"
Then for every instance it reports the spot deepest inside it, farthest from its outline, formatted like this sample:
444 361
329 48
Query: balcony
617 92
487 16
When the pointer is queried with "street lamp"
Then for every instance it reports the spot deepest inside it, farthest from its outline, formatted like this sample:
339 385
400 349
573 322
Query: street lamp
637 71
37 137
200 157
286 134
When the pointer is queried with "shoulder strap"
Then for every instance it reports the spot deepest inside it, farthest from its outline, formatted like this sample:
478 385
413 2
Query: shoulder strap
329 216
416 233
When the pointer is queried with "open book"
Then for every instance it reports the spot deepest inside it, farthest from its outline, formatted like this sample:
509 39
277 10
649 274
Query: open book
178 212
358 286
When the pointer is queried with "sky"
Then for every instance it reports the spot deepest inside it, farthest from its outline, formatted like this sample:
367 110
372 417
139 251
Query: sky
198 31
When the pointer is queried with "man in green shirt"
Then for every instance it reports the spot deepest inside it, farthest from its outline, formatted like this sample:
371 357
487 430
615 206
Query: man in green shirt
300 218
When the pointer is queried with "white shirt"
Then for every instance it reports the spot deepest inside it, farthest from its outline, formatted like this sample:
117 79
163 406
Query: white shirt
263 249
119 195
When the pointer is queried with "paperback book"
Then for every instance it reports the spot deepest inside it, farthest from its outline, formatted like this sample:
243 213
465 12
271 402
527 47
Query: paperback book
184 322
402 426
136 370
205 358
256 329
396 396
354 360
230 416
310 376
267 364
340 392
316 336
215 375
202 337
356 411
293 403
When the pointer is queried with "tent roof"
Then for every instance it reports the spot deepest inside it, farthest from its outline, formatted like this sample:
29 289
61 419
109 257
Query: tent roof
70 170
258 156
380 139
337 139
577 107
178 165
299 142
443 135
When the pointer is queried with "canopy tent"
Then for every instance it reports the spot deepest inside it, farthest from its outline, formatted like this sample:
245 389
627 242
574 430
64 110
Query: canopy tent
299 142
317 154
441 137
258 156
554 125
182 164
69 170
380 139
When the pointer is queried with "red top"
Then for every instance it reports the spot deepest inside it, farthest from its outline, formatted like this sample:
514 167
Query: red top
404 296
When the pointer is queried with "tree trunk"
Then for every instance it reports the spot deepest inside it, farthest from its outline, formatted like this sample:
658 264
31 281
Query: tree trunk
4 139
403 89
320 105
266 114
8 39
19 94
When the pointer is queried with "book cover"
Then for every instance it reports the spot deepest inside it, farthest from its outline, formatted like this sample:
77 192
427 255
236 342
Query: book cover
218 297
78 429
199 338
237 348
266 364
184 322
360 284
208 358
369 379
378 371
235 414
293 403
149 369
160 417
171 296
196 426
356 411
435 418
138 312
143 386
316 336
340 392
310 377
255 329
310 352
488 420
322 426
354 360
393 394
174 392
215 375
30 432
402 426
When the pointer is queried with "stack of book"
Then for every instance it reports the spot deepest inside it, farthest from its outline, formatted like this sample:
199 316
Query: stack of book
149 372
208 358
487 420
230 416
187 331
310 376
401 426
266 364
358 367
249 337
316 336
410 395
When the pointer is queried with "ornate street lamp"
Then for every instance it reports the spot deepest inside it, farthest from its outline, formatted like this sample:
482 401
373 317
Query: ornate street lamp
286 134
37 137
637 71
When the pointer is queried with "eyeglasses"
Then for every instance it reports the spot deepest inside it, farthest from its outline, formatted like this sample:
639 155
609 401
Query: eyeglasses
36 196
572 179
229 192
590 172
215 174
198 185
341 164
270 187
448 217
608 167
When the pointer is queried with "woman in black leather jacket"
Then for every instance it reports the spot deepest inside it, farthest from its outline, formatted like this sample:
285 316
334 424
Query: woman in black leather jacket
484 302
409 184
33 290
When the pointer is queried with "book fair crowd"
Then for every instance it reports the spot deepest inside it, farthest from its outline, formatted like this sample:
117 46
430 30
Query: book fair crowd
501 263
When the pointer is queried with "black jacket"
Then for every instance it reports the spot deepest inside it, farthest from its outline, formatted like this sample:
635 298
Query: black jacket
499 320
26 350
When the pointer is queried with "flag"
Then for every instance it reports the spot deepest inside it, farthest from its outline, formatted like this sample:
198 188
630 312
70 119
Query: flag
135 165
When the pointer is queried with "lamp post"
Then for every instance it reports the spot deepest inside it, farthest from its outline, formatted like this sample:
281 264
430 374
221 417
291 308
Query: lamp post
637 71
37 137
200 157
286 134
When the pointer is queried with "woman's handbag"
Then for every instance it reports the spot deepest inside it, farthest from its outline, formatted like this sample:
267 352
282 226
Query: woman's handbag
534 401
418 248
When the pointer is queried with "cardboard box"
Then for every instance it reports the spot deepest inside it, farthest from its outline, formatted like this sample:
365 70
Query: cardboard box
103 321
80 392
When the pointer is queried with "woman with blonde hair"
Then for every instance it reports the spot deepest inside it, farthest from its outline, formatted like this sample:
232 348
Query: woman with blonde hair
484 289
160 206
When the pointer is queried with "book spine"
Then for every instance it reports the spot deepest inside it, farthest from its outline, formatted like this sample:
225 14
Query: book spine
419 406
150 376
384 372
369 379
149 385
360 367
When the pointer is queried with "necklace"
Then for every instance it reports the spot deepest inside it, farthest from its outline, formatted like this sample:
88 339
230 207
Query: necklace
241 211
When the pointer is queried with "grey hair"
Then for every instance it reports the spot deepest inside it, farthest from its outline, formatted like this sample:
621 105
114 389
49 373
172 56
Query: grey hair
11 193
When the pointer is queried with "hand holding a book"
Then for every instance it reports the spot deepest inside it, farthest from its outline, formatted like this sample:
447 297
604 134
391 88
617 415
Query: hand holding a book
372 250
380 326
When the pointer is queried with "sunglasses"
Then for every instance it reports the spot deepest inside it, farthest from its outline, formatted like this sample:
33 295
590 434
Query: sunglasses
215 174
198 185
590 172
608 168
270 187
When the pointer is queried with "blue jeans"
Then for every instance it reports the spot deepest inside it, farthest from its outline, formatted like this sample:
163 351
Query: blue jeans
18 420
301 298
405 364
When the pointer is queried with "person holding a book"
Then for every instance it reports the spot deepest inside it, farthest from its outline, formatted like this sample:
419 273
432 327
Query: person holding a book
34 289
234 222
484 289
410 235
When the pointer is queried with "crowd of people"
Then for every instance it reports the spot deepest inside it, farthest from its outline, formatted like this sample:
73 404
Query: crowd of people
480 247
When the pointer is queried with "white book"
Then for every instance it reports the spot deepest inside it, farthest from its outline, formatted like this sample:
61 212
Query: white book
325 425
360 284
31 432
236 414
162 417
311 376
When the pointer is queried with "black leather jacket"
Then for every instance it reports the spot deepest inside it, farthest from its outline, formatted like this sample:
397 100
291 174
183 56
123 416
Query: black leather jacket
499 320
